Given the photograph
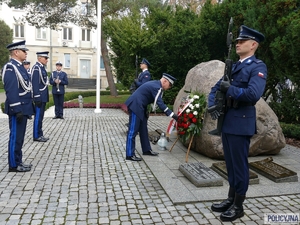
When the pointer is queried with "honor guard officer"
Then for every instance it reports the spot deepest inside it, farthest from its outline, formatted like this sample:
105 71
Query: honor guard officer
58 79
137 104
40 84
144 76
26 65
18 104
242 92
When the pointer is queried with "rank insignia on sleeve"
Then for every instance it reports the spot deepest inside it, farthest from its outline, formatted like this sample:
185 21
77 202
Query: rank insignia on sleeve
260 74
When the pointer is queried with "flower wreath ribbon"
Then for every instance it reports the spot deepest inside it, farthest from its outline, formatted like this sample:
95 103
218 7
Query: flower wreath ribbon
173 122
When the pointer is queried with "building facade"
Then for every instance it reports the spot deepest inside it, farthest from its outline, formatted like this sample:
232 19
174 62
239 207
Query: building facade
74 46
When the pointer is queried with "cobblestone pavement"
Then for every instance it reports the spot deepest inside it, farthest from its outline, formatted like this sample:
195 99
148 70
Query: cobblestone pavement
80 177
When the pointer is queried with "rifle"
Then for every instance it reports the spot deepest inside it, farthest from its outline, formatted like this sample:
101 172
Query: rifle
221 105
133 86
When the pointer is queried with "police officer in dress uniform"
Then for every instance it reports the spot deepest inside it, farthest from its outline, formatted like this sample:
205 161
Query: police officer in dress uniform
26 65
144 76
58 79
18 104
40 82
245 89
137 104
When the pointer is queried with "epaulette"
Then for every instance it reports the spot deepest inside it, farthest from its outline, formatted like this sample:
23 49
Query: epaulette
258 61
9 67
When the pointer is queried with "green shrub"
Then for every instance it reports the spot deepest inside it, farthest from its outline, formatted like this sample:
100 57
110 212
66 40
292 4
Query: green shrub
288 108
290 130
119 87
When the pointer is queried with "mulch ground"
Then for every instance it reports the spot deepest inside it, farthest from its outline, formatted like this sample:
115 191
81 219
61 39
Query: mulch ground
293 142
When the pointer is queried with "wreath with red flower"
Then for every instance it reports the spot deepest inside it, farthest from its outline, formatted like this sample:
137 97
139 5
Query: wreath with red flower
190 121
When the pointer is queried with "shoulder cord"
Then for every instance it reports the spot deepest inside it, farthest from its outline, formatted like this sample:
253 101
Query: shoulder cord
41 79
26 87
155 100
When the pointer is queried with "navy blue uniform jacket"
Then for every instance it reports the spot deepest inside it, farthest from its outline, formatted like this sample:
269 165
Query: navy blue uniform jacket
145 95
247 85
17 99
143 78
39 78
64 81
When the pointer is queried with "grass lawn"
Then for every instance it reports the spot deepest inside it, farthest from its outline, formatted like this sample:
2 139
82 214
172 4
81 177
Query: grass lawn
105 99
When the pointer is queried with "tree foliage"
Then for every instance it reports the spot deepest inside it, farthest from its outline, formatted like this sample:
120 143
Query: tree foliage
57 13
6 37
175 39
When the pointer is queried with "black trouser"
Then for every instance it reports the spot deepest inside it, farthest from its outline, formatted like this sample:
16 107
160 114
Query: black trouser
59 104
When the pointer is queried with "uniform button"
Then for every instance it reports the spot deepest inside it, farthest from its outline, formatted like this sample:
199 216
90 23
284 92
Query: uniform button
244 115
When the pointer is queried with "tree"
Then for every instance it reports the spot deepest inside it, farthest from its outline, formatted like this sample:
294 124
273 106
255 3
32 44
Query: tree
52 13
6 37
170 39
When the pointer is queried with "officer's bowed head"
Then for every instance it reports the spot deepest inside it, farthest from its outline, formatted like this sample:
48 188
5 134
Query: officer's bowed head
170 78
247 33
20 45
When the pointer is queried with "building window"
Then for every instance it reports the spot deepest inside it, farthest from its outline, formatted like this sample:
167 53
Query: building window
67 60
85 9
19 31
86 35
67 33
41 33
101 63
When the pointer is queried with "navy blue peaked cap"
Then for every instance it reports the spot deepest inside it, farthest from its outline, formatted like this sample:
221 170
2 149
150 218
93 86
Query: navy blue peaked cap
247 33
145 61
43 54
17 45
170 78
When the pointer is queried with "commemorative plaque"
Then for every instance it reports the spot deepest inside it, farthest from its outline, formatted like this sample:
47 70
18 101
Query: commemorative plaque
220 168
200 175
274 171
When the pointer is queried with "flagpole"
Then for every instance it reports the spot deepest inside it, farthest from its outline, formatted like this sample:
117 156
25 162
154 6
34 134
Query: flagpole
99 9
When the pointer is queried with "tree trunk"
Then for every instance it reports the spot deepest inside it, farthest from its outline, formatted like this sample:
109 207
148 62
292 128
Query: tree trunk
109 75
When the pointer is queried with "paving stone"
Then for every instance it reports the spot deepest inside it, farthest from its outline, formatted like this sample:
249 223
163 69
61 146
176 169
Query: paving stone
83 175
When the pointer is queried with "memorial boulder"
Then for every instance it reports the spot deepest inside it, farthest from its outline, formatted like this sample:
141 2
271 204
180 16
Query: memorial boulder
269 138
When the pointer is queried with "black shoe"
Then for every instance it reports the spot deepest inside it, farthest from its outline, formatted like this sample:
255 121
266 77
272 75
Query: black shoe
236 210
150 152
223 206
233 213
61 117
40 139
26 165
133 158
45 138
55 117
19 169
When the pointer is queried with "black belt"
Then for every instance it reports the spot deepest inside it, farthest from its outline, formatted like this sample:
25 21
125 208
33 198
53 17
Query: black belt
245 104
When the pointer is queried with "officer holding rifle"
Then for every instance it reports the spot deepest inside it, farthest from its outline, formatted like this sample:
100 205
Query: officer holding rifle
242 91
